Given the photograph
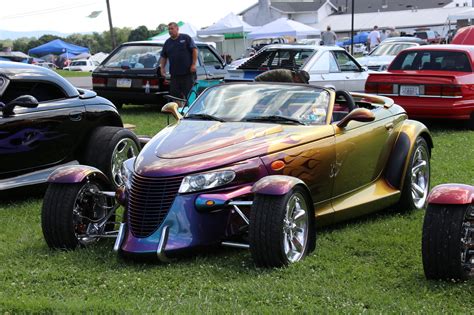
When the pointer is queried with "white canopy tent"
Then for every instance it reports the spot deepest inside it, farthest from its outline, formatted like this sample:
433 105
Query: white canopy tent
186 28
464 15
284 27
231 23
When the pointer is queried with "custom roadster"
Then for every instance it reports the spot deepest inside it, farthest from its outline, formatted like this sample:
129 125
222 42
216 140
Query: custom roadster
47 123
250 165
448 233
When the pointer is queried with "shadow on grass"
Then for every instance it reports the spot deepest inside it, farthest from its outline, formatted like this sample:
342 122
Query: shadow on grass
22 194
445 125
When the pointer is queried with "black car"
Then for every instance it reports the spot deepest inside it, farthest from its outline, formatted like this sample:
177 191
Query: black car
47 123
131 73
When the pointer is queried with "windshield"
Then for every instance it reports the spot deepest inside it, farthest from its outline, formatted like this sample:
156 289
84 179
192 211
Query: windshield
135 57
390 49
260 101
438 60
278 58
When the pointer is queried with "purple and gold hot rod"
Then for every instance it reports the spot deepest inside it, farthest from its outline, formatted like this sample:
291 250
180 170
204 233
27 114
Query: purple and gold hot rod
250 165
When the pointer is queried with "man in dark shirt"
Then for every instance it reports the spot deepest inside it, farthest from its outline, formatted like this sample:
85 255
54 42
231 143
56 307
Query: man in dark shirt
181 51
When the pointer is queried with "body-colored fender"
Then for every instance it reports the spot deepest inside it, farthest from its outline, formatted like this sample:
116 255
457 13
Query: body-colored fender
277 185
402 150
456 194
77 174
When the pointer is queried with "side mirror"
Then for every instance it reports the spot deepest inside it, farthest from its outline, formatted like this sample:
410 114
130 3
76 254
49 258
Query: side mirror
365 69
358 114
172 108
27 101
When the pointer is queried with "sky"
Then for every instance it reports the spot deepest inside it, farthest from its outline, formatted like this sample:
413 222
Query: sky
71 16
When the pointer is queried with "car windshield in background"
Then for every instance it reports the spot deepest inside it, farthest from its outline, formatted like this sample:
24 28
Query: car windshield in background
278 58
432 60
282 103
390 49
135 57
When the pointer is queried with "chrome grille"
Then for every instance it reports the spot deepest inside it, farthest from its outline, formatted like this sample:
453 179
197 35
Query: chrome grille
149 201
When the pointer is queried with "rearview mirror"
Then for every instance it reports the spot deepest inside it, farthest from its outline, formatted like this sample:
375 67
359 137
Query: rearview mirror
27 101
358 114
172 108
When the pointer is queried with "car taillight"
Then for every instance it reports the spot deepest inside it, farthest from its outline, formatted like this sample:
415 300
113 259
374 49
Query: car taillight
99 81
451 91
152 84
433 90
385 88
371 87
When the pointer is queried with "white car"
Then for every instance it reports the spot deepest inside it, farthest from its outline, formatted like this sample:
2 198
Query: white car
328 66
382 56
86 65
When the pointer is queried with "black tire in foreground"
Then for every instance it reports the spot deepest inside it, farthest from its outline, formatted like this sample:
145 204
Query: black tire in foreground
282 229
108 148
447 242
70 212
416 184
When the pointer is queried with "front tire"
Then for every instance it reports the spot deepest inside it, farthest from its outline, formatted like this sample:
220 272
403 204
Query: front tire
282 229
447 242
417 178
108 148
67 214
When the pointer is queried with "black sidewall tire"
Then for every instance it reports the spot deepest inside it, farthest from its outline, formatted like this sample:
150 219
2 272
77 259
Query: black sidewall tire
441 242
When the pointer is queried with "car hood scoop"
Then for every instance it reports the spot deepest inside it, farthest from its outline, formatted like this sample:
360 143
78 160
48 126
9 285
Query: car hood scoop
193 137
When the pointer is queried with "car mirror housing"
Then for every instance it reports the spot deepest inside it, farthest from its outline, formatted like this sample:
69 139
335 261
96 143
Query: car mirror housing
27 101
172 108
358 114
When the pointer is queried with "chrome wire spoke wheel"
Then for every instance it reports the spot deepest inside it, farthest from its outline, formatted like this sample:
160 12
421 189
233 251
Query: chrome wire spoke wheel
295 228
420 176
124 150
88 207
467 241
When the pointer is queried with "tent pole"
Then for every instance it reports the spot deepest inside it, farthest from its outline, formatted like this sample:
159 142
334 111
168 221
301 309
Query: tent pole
352 28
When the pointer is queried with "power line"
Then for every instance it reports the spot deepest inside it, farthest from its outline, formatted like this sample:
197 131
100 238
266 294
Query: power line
47 11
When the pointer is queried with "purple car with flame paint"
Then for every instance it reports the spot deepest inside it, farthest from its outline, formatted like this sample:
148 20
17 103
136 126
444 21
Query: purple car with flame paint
250 165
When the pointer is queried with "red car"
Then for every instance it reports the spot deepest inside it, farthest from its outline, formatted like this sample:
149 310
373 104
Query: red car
434 81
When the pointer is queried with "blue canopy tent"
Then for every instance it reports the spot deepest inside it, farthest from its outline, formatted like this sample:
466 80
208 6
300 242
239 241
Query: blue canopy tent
360 38
57 47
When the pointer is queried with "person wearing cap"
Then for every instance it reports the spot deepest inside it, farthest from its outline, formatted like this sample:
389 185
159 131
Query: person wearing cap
283 75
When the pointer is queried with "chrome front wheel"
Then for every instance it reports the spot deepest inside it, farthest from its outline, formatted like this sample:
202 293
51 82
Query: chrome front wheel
125 149
295 228
420 176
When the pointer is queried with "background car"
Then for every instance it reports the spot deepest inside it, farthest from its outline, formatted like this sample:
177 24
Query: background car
433 81
86 65
448 233
252 165
47 123
380 58
48 65
131 74
431 37
329 66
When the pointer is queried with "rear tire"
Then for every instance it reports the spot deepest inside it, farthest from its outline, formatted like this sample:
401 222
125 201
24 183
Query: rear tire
443 250
282 229
65 207
417 178
108 148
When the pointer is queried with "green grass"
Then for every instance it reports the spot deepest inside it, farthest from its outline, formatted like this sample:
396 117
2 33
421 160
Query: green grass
67 73
372 264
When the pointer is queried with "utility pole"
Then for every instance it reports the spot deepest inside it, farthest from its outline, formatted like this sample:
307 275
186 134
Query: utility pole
352 28
112 34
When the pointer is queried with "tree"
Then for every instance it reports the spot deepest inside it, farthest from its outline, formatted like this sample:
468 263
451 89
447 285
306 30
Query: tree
140 33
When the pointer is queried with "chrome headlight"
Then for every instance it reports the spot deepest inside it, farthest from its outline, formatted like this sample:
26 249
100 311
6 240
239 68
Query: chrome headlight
205 181
126 173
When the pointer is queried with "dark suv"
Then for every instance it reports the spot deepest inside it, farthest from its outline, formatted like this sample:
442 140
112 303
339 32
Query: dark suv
46 123
131 73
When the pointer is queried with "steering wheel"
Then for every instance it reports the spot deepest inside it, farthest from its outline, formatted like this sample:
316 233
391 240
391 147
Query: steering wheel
348 98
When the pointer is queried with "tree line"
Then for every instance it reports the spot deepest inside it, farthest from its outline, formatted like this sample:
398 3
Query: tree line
96 42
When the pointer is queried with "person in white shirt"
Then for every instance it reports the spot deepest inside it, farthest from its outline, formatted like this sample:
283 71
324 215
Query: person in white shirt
374 38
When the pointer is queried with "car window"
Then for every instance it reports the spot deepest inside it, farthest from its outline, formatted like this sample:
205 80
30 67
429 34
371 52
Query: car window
208 57
278 58
135 57
432 60
333 67
42 91
345 62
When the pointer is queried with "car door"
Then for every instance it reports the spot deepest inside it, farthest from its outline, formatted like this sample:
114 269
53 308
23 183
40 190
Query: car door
212 64
362 150
34 138
325 72
353 74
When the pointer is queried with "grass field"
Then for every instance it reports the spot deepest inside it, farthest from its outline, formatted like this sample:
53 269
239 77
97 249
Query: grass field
372 264
67 73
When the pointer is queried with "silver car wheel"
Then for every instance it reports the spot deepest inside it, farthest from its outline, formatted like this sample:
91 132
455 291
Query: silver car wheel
420 176
295 228
124 150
